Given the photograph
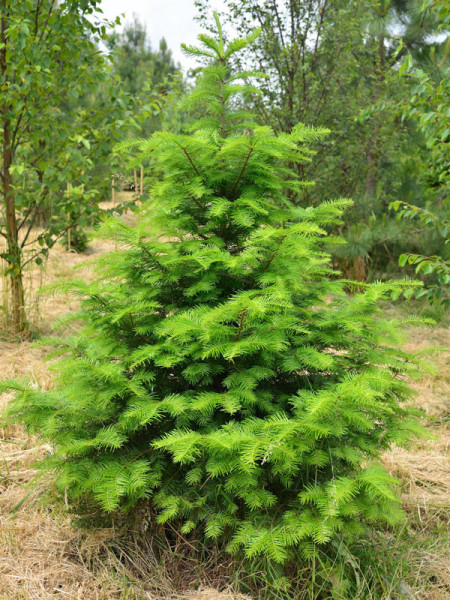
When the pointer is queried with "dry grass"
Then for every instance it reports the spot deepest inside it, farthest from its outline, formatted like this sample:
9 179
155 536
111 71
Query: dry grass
425 470
42 311
425 474
42 556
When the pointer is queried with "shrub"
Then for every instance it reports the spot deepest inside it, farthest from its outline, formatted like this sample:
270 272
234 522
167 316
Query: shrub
223 373
78 240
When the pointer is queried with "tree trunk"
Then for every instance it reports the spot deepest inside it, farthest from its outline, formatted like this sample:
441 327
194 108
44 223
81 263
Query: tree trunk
373 152
13 253
17 315
18 322
372 167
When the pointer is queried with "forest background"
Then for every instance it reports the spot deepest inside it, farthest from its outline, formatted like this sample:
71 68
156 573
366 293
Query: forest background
373 72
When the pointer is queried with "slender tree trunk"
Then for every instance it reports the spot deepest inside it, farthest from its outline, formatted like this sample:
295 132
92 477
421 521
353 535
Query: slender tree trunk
14 255
18 322
372 166
373 151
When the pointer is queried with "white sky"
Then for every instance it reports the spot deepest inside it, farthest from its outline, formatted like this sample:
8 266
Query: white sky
172 19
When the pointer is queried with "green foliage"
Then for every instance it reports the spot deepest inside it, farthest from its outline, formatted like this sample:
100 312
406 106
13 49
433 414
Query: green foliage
427 107
438 267
313 54
77 240
58 100
61 135
336 64
148 74
223 373
134 59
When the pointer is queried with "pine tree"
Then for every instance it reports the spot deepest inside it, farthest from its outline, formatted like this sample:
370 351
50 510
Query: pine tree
223 373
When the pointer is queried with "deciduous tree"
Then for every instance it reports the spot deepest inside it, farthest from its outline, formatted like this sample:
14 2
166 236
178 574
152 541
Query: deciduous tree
51 132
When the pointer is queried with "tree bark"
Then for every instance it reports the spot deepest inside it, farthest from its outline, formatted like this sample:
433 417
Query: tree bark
13 254
373 152
372 166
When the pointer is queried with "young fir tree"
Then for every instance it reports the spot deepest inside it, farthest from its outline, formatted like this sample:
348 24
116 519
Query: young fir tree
222 373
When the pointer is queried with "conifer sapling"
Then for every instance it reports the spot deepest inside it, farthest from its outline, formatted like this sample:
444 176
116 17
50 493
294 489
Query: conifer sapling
223 373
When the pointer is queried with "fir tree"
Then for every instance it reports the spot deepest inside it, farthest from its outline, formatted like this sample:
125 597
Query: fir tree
223 373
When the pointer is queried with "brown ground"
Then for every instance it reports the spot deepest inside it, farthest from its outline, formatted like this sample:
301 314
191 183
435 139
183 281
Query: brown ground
43 557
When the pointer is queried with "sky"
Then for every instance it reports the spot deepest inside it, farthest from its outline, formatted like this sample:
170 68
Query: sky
172 19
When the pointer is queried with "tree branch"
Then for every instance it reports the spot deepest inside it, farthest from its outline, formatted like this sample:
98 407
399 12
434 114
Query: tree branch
241 322
269 262
188 156
244 166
